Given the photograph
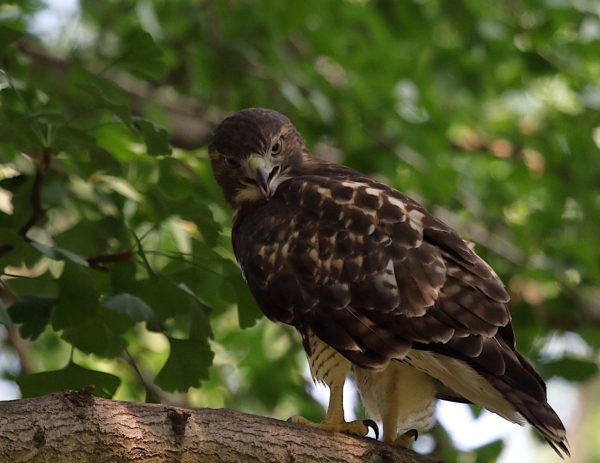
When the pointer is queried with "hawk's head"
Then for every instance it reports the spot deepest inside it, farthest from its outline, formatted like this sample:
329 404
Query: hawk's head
252 152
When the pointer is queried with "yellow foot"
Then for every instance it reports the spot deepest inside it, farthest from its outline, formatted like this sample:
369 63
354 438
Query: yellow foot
357 428
406 439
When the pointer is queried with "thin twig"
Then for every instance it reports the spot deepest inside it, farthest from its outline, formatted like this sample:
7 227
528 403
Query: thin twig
38 212
164 397
97 262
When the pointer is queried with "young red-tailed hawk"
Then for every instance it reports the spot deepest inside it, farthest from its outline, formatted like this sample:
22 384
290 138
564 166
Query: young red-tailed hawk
373 283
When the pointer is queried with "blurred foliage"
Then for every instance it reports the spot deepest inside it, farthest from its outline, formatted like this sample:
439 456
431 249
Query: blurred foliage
114 239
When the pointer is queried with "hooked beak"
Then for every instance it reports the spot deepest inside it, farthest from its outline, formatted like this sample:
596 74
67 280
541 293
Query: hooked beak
262 178
259 169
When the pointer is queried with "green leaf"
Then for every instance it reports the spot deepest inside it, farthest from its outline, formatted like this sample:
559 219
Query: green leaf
187 364
91 237
4 317
8 36
200 328
78 296
214 290
121 186
123 274
572 369
33 313
155 137
142 55
489 453
71 377
151 396
27 286
101 335
131 306
165 297
59 254
102 100
20 253
248 311
590 334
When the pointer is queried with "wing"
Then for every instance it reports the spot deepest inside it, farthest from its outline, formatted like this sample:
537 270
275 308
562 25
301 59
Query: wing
368 269
374 275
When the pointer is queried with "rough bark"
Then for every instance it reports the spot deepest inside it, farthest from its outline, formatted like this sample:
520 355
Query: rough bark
76 426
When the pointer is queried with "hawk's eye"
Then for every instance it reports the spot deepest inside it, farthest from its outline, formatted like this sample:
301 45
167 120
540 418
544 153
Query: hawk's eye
276 147
231 162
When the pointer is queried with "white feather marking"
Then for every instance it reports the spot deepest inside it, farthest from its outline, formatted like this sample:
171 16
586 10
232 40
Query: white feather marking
284 249
416 220
387 279
327 265
396 202
352 184
373 191
466 381
324 191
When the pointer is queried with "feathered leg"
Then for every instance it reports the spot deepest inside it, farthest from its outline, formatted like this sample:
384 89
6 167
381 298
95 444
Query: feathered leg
331 368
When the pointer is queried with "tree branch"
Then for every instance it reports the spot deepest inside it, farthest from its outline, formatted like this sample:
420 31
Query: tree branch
76 426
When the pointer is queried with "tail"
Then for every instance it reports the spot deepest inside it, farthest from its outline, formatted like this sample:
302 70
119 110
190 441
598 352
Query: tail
533 404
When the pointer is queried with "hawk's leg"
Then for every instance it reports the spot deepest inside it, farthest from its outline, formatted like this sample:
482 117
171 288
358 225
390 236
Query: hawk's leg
334 419
331 368
406 439
390 421
400 396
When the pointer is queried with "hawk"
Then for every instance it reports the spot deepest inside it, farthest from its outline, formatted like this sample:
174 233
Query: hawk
375 285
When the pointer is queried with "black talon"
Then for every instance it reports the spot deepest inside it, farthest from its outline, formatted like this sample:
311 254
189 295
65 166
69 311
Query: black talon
289 420
371 424
412 433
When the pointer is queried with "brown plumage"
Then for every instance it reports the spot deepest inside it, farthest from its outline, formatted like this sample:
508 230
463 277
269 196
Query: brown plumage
368 277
